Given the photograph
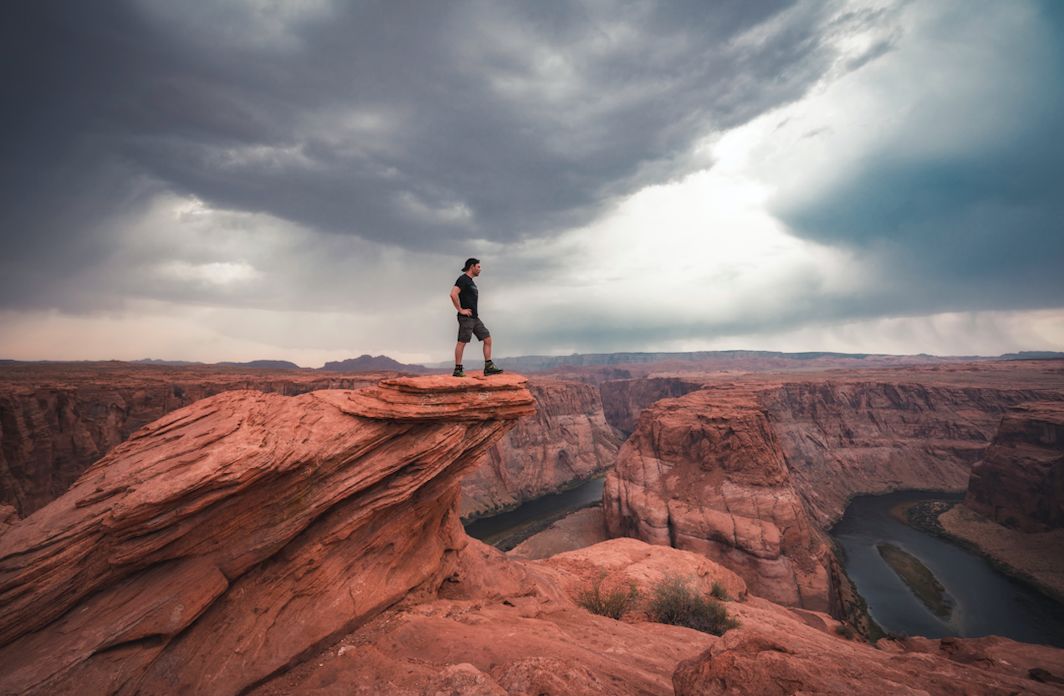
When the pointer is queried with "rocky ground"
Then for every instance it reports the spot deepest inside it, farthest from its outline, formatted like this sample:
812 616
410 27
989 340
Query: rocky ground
255 543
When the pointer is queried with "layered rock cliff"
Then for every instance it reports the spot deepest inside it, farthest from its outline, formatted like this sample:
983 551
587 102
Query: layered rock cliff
752 471
56 420
706 473
222 542
624 399
843 437
566 442
1019 482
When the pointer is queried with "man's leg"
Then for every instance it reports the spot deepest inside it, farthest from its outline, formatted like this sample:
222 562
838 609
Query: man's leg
482 334
465 332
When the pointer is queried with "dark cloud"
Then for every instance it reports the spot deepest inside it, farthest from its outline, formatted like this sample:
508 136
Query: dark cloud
419 125
979 227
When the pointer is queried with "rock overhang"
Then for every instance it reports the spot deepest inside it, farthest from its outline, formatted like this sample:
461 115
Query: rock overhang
302 515
437 397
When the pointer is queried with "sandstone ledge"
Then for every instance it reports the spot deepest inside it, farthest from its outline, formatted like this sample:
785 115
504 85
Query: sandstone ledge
437 397
220 543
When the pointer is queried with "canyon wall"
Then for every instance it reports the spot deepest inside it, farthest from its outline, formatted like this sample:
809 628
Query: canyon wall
566 442
752 472
705 473
56 420
624 399
1019 482
843 438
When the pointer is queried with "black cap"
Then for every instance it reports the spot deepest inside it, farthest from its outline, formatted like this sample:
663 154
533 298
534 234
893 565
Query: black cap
470 262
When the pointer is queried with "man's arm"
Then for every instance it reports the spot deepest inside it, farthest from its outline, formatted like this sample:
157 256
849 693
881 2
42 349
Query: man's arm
457 304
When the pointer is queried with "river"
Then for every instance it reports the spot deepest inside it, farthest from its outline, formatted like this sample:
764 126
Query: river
508 529
987 602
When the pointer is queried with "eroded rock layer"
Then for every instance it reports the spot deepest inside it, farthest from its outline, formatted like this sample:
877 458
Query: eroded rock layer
56 420
504 627
1020 480
844 437
222 542
775 654
624 399
750 471
705 473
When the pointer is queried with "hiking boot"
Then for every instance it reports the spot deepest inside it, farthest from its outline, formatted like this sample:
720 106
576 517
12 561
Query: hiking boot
490 369
458 371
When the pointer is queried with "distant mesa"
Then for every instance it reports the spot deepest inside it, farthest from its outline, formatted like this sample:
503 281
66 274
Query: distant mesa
252 364
264 365
371 363
722 359
166 363
363 363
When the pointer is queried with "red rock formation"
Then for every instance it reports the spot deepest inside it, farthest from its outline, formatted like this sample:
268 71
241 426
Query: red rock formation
253 543
1020 480
623 400
774 653
56 420
749 470
845 437
705 473
222 542
505 627
566 442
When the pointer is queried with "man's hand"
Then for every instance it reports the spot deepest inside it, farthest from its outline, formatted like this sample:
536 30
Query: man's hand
466 312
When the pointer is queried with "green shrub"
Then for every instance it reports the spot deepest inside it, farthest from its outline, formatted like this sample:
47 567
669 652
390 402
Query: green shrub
719 592
674 602
612 603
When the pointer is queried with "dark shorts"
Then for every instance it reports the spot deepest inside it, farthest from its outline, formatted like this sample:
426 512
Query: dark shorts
469 327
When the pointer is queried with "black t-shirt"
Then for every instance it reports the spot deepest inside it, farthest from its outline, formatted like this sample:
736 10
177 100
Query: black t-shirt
467 293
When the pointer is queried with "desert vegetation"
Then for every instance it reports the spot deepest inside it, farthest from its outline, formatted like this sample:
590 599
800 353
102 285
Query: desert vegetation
673 601
613 602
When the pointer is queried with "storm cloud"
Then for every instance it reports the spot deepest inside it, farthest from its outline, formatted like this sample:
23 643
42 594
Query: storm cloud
303 178
963 200
417 125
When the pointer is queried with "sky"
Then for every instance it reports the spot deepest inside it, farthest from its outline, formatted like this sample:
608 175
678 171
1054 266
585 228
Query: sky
302 180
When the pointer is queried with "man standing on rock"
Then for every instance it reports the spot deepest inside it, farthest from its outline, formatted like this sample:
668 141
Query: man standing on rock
464 298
